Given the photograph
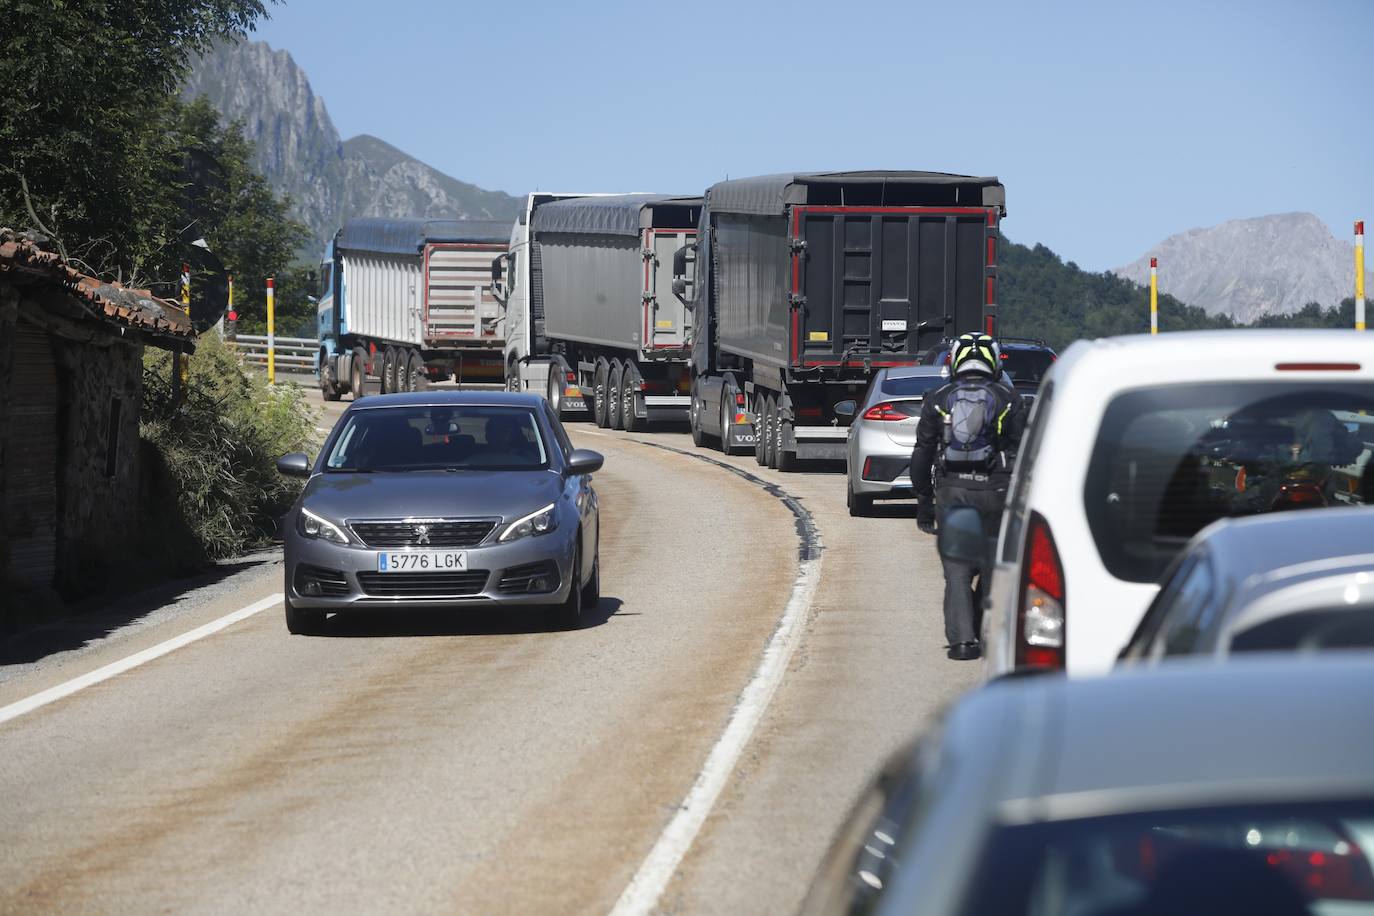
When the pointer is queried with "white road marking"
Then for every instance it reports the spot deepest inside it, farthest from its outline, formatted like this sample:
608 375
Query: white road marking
657 870
66 689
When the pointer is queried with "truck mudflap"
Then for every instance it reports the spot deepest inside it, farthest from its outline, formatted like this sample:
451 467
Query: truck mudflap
818 443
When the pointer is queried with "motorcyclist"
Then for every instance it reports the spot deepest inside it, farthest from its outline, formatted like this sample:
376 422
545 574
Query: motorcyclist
968 433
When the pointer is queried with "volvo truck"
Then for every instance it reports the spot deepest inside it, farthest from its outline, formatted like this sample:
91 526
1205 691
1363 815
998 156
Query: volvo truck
591 319
801 285
404 302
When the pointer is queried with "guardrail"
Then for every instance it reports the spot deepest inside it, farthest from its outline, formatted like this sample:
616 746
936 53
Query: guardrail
293 354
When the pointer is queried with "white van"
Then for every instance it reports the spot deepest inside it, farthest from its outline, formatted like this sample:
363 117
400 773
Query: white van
1135 444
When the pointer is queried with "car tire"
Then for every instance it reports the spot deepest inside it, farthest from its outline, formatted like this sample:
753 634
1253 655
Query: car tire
600 394
613 398
859 505
568 615
357 373
591 589
303 621
416 377
630 386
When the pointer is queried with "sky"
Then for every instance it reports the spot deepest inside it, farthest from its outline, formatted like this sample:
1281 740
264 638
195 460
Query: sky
1113 124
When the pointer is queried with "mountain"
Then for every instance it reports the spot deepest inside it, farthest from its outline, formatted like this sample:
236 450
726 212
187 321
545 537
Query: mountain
1248 268
299 150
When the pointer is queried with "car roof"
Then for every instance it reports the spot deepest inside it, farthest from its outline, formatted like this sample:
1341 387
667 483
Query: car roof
448 398
1185 733
1283 545
914 372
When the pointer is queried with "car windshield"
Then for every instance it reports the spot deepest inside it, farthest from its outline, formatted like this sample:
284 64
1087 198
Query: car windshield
1170 460
1292 859
1027 366
439 438
911 386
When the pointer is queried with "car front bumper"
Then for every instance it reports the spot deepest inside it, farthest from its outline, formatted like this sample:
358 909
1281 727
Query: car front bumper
308 557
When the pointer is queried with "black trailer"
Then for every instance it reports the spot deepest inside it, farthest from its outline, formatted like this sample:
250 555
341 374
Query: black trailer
807 283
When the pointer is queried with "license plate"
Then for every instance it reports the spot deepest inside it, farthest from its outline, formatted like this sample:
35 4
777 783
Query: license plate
894 324
422 561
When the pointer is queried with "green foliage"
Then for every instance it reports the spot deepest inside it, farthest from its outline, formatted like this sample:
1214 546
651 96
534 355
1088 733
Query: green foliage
1312 315
220 446
89 147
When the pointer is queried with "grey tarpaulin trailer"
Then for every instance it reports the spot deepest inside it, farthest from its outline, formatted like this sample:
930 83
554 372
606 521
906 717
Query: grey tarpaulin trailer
608 337
812 280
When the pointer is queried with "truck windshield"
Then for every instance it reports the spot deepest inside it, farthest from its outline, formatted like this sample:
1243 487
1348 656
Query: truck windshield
1171 460
458 438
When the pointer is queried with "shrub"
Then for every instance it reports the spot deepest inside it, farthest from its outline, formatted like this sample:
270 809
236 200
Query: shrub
220 445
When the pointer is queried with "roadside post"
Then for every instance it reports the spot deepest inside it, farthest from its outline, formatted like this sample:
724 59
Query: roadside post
231 317
182 361
271 335
1359 275
1154 295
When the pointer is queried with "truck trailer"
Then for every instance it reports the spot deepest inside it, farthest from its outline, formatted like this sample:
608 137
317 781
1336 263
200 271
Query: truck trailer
409 301
592 321
808 282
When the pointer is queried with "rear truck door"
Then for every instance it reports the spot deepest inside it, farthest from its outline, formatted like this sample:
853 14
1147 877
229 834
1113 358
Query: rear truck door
667 322
459 306
887 283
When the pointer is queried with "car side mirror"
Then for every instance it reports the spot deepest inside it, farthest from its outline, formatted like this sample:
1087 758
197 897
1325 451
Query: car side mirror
585 461
962 538
846 408
296 464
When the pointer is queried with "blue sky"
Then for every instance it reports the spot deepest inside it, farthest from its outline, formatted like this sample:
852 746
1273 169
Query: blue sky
1112 124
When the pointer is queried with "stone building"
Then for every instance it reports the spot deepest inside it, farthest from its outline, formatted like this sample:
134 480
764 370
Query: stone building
71 373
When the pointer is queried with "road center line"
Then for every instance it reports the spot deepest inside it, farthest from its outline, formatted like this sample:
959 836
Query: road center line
67 688
657 870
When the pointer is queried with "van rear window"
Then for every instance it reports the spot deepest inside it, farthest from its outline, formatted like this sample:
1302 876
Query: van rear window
1171 460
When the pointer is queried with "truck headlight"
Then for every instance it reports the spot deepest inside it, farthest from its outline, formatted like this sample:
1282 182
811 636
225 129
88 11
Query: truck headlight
541 521
313 526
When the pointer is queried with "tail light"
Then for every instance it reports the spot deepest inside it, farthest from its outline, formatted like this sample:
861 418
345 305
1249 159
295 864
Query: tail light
1299 496
888 411
572 376
740 415
1341 873
1040 615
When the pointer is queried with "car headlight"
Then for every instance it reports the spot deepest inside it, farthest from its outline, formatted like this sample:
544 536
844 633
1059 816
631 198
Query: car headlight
313 526
541 521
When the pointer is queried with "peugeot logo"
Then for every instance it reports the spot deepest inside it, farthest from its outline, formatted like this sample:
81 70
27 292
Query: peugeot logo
421 534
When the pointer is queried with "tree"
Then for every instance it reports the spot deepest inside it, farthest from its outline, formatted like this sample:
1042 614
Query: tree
89 92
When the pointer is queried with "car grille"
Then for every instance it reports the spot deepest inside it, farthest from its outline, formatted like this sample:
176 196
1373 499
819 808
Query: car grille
468 532
423 584
518 579
332 582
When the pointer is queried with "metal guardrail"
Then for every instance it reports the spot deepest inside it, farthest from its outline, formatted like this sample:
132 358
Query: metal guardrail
293 354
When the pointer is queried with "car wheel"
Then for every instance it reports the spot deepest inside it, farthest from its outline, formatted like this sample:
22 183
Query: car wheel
613 399
357 376
591 589
600 400
859 504
630 386
416 378
303 621
568 615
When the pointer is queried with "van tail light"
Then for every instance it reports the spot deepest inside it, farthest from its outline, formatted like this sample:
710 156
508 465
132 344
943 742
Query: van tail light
1040 613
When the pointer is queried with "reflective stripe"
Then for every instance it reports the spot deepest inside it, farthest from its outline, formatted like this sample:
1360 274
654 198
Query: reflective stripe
1002 416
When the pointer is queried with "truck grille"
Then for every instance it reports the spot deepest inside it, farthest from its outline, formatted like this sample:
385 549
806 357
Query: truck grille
423 584
468 532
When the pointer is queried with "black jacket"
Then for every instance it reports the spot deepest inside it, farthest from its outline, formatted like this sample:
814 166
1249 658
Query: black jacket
930 439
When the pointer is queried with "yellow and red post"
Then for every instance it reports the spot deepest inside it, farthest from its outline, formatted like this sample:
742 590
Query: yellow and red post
1359 275
1154 295
271 335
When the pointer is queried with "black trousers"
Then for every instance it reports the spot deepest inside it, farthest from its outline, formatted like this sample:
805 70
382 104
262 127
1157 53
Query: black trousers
965 583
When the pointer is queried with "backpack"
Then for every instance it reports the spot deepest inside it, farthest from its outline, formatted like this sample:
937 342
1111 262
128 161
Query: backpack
970 426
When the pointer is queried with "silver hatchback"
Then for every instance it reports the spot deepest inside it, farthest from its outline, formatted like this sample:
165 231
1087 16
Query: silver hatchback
883 434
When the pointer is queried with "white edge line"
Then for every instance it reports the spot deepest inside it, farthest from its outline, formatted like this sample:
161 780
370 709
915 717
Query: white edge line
66 689
654 874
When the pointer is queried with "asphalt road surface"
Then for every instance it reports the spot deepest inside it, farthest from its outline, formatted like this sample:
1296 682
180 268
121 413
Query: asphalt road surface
473 762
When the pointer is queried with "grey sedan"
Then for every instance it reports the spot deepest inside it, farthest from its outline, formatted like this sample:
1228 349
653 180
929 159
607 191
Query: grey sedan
883 434
1242 788
1289 581
451 499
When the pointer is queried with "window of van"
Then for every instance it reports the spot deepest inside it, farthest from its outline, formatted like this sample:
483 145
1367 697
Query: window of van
1170 460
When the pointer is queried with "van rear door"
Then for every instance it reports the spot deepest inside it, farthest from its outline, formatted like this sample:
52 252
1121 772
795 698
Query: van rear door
667 322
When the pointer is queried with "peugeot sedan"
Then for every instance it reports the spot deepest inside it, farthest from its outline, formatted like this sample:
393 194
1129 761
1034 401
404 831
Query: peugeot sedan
449 499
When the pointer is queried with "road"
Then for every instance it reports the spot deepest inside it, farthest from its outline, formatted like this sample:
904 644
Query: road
475 763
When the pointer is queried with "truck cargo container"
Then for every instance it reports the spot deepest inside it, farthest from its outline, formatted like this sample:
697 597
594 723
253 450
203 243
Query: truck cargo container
591 317
408 301
809 282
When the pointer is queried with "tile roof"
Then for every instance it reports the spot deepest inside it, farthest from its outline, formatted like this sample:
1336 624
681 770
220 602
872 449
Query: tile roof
135 308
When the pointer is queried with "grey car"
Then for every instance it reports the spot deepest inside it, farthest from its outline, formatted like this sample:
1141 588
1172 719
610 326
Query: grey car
1187 788
449 499
883 434
1290 581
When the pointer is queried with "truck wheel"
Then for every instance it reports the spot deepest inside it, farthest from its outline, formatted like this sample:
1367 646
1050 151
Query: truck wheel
769 436
761 428
727 415
329 386
613 399
783 460
554 390
630 386
389 370
357 377
416 377
600 400
694 414
512 377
